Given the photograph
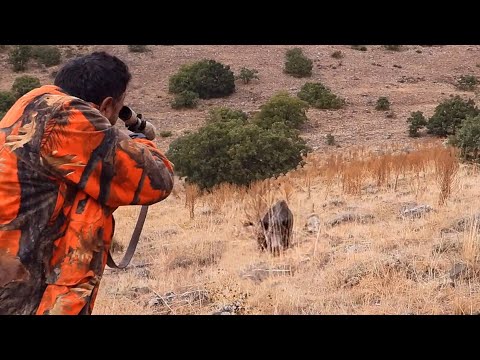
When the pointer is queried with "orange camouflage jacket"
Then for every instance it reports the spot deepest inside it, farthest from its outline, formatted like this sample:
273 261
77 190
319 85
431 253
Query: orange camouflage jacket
64 169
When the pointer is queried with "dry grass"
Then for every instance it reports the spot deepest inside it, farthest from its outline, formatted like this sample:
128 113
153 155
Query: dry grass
389 265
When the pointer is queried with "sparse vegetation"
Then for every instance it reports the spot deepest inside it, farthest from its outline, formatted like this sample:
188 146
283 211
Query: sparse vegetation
24 84
449 115
320 96
192 192
383 104
165 133
185 99
467 139
467 83
7 99
137 48
446 168
46 54
19 57
416 122
330 139
359 47
367 267
297 64
393 47
247 75
337 54
207 78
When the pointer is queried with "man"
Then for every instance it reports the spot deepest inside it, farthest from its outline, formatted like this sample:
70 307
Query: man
64 169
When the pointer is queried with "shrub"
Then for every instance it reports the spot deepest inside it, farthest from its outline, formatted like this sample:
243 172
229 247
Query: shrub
382 104
19 57
185 99
282 108
467 83
46 55
467 138
320 97
7 99
235 152
417 121
393 47
24 84
359 47
330 139
297 64
449 115
247 75
337 54
165 133
138 48
208 78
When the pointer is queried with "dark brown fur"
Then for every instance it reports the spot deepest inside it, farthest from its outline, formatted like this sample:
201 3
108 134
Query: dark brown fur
276 228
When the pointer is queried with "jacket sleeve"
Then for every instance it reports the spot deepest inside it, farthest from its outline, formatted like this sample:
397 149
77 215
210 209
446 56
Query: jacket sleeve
80 146
78 259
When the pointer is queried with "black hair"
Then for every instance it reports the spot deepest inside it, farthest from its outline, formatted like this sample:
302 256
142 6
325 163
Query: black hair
94 77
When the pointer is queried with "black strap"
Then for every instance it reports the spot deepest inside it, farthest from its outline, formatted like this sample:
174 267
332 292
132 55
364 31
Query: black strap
133 242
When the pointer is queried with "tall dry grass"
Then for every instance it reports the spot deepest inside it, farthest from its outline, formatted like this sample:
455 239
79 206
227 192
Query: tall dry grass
391 265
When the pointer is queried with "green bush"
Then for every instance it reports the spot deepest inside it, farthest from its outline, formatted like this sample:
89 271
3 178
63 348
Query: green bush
337 54
320 96
19 57
46 55
24 84
7 99
467 138
297 64
226 114
165 133
284 109
236 152
449 115
247 75
393 47
382 104
417 121
330 139
208 78
359 47
467 83
185 99
138 48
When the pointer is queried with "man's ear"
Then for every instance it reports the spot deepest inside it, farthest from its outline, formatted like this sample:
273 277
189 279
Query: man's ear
107 107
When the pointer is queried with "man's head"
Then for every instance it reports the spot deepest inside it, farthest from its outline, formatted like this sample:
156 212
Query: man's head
98 78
